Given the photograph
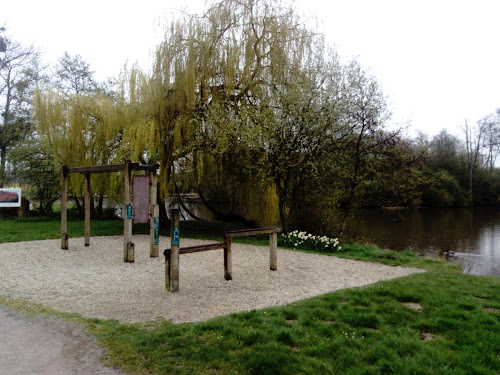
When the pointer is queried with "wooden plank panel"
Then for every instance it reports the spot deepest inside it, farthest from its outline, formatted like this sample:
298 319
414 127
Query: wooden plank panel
141 199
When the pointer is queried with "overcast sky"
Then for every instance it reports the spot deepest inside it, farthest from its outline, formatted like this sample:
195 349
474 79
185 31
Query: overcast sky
438 61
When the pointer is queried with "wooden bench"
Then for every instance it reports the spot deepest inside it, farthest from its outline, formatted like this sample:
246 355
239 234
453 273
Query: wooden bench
196 249
273 241
172 262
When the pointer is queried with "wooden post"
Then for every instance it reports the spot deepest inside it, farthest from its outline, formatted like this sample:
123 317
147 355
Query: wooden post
154 223
128 246
64 211
273 251
167 254
174 252
87 209
228 259
130 252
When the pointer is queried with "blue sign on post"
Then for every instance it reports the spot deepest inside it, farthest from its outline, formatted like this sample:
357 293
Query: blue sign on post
157 231
130 214
176 236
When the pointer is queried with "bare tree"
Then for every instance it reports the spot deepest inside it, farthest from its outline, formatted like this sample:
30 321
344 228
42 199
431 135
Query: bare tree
19 71
473 143
74 75
491 141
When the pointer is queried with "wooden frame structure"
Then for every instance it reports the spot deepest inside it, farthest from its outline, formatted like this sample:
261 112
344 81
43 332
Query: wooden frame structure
172 254
126 168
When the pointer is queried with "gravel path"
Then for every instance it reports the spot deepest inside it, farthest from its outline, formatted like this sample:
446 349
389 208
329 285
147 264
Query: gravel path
35 344
95 282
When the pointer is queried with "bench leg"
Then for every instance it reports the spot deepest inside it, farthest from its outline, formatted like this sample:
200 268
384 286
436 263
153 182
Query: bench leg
228 261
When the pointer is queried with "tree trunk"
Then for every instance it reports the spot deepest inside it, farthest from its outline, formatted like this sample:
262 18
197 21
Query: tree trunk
3 154
284 224
164 221
471 200
99 205
79 206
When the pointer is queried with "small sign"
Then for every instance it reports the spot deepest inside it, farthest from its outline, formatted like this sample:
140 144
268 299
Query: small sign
176 236
10 197
130 213
157 231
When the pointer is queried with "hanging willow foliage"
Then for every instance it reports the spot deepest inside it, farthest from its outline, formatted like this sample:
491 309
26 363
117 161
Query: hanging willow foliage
226 93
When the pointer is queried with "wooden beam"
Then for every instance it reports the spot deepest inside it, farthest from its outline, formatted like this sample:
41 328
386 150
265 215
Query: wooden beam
199 248
154 216
168 254
251 232
128 248
113 168
228 259
87 209
98 169
173 267
64 210
273 251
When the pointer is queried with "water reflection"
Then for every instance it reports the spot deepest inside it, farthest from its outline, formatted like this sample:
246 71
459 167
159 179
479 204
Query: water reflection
470 235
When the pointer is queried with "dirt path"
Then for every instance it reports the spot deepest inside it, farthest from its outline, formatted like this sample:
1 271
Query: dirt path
46 345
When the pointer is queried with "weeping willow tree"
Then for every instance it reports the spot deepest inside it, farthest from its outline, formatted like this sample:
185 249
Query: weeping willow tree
241 104
80 130
213 97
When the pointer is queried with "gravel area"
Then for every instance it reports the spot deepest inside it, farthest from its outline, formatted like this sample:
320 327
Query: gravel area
95 282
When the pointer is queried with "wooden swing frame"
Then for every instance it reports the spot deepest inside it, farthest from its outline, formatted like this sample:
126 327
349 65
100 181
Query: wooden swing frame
126 168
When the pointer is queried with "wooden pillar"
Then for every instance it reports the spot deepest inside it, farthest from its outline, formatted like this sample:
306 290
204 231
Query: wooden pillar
154 217
87 209
228 259
128 246
167 254
64 209
273 251
173 266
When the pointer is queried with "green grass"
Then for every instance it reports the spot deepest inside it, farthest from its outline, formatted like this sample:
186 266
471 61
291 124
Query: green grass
365 330
38 228
358 331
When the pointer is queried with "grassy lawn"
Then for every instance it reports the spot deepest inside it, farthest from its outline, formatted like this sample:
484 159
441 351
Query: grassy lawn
455 328
39 228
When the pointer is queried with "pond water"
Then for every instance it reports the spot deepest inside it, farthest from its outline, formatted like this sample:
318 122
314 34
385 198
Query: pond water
469 237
